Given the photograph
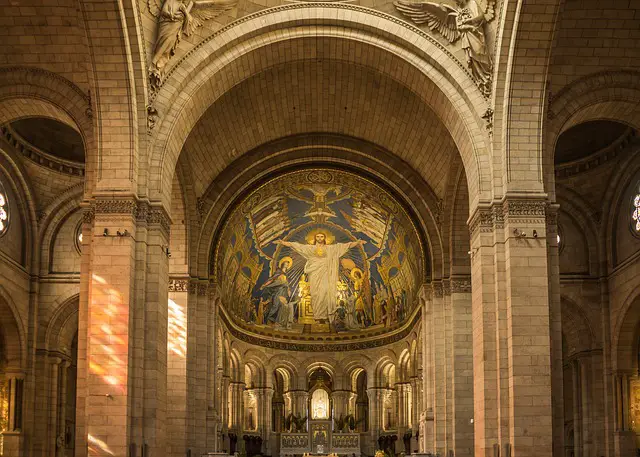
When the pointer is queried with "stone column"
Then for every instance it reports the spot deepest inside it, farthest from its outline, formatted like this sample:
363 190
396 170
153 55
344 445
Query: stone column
177 367
555 316
426 426
440 369
461 368
264 396
340 399
198 330
511 328
353 397
62 405
54 403
13 437
122 341
300 403
375 395
577 408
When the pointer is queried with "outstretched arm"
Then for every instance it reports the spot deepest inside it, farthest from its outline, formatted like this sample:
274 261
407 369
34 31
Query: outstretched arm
299 248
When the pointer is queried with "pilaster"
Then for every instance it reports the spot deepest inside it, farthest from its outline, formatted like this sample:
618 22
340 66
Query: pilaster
511 328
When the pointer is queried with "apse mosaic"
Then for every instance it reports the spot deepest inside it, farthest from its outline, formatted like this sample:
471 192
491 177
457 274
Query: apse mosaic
319 251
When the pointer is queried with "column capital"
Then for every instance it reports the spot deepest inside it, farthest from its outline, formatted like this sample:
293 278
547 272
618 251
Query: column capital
523 209
117 207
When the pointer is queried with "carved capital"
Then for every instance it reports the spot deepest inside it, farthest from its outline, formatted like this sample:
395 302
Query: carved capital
524 211
461 285
178 285
446 287
437 289
124 206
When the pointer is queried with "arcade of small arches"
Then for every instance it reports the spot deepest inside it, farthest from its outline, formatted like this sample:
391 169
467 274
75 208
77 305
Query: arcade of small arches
286 228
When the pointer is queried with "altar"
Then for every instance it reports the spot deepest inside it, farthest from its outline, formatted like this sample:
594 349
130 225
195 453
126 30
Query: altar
319 440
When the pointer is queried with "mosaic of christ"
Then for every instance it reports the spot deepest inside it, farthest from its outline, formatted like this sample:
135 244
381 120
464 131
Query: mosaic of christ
319 251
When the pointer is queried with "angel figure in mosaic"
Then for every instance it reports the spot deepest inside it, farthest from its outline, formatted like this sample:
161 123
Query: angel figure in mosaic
177 18
465 22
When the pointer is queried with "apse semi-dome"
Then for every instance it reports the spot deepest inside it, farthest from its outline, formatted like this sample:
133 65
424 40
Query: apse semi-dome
319 255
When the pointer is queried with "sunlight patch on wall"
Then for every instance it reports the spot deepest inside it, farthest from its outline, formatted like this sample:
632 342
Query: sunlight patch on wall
177 330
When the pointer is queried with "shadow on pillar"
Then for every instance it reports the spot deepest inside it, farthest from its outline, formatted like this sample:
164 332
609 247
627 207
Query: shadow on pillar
252 445
233 443
387 443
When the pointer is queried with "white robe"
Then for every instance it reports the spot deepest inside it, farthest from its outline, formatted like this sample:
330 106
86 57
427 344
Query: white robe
323 271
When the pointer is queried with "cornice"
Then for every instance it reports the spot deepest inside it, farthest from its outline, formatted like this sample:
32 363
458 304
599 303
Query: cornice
141 211
521 210
331 343
40 157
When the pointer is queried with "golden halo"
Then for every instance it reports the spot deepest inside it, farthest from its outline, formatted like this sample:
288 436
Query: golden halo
285 259
311 236
353 274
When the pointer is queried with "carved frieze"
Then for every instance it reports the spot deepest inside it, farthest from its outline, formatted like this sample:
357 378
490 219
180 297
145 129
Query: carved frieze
319 345
524 211
141 211
178 285
461 285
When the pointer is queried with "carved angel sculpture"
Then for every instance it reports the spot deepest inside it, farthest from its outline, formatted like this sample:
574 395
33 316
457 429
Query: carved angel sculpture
464 22
175 18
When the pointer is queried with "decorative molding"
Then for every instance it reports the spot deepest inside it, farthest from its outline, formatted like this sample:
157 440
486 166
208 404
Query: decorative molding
143 212
40 157
116 206
446 287
461 285
315 4
607 79
566 170
524 211
488 218
321 344
25 74
178 285
437 289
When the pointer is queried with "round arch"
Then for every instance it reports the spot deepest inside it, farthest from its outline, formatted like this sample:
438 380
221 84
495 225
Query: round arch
612 96
293 32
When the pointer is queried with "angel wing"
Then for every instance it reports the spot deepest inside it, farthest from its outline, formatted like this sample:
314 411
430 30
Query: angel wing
155 6
438 17
203 10
490 10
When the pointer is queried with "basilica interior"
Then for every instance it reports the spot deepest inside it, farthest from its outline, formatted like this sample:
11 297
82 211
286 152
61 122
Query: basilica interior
295 228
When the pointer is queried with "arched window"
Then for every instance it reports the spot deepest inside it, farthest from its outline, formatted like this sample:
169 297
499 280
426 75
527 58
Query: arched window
4 211
635 215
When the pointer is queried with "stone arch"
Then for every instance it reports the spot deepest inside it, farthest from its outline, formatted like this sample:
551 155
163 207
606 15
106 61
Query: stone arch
298 151
519 88
63 326
13 333
35 92
20 184
610 95
254 43
612 205
576 329
577 210
287 368
53 216
626 335
385 363
113 31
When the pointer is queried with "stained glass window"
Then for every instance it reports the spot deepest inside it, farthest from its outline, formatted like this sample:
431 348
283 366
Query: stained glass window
636 213
4 211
